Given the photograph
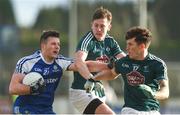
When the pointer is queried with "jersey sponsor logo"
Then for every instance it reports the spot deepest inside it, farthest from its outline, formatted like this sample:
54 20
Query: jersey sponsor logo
37 69
51 80
125 65
134 78
96 50
103 58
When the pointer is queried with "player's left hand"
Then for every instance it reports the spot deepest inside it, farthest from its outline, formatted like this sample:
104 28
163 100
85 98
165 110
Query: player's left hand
146 90
99 89
38 87
89 85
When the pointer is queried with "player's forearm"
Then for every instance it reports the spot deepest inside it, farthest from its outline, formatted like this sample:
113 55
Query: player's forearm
82 69
19 89
105 75
96 66
16 87
163 92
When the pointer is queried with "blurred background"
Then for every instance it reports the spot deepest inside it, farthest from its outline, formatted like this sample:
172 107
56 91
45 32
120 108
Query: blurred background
22 21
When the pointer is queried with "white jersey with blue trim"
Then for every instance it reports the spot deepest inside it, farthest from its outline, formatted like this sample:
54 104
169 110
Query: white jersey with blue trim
51 72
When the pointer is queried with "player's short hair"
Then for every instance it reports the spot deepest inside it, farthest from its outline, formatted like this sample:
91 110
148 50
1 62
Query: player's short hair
141 35
101 13
48 33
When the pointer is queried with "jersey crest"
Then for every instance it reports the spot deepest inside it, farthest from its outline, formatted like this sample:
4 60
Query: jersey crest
134 78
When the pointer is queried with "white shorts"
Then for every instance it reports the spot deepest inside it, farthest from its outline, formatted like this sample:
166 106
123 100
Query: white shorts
128 110
80 99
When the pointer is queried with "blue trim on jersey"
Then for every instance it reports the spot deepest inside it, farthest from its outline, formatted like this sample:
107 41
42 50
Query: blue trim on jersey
27 58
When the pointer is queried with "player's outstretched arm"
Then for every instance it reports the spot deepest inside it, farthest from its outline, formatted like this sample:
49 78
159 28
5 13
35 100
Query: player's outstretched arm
106 75
93 66
16 87
96 66
82 68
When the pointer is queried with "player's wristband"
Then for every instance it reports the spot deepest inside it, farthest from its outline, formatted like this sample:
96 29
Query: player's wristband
91 80
90 76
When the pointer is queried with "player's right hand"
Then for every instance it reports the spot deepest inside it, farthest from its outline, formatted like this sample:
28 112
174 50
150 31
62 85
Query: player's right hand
89 85
38 87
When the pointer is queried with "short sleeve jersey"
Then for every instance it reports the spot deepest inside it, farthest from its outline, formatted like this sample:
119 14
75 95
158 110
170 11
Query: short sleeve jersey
51 73
96 50
134 72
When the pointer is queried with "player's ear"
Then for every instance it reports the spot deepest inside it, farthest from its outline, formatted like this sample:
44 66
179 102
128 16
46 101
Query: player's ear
142 46
42 46
92 25
109 27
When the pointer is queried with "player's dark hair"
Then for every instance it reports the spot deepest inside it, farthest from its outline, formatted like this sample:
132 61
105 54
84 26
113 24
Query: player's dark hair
141 35
101 13
48 33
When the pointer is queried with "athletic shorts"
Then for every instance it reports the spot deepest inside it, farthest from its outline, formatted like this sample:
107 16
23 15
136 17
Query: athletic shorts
128 110
80 99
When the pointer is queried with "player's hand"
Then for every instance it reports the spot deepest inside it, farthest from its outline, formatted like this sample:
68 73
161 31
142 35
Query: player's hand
99 89
89 85
146 90
38 87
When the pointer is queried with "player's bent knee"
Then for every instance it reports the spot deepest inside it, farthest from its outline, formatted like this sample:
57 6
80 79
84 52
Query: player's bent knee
92 106
97 107
104 109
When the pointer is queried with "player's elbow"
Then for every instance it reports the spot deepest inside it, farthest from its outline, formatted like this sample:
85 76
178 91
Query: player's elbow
11 90
166 95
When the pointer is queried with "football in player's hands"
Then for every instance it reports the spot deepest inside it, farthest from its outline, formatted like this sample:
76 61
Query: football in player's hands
35 81
31 78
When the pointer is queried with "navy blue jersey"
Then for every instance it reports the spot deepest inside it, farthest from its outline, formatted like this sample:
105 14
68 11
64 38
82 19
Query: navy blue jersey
51 72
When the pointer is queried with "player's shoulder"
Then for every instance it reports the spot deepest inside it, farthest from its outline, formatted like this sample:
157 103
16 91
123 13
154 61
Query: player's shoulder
154 59
123 60
35 55
88 35
110 39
